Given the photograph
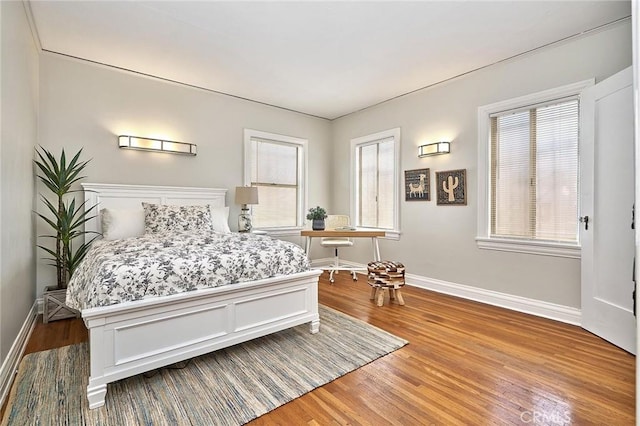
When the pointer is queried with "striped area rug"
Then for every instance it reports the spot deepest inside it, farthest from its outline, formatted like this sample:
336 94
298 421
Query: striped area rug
228 387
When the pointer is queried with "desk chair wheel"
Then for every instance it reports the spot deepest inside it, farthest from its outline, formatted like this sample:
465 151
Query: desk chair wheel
331 279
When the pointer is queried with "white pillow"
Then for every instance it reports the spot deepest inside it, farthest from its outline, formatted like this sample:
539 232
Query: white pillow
118 224
220 219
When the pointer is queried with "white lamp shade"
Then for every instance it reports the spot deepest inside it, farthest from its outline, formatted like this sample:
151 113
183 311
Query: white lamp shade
246 195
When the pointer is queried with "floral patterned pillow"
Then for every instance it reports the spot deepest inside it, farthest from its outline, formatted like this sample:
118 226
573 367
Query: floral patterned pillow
161 218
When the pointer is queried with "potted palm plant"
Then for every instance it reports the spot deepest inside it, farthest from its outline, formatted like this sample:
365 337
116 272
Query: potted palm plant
66 221
317 216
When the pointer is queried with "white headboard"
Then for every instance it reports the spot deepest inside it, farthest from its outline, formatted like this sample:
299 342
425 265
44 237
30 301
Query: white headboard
117 196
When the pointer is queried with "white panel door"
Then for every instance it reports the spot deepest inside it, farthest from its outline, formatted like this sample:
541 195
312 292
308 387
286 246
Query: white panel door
607 197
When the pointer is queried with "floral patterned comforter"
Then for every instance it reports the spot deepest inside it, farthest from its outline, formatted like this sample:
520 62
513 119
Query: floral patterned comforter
167 263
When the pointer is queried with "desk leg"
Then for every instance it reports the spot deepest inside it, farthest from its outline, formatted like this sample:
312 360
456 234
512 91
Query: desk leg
376 249
307 246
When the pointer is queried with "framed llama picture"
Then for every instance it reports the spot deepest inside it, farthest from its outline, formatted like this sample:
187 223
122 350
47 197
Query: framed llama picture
451 187
416 185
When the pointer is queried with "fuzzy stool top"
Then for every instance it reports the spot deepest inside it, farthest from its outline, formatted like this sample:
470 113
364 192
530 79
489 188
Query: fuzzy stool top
383 276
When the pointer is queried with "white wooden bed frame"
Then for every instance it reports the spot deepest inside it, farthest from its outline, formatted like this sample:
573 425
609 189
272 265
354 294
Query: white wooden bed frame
133 337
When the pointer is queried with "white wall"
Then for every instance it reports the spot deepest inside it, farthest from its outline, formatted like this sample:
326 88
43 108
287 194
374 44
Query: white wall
86 105
18 130
438 241
83 105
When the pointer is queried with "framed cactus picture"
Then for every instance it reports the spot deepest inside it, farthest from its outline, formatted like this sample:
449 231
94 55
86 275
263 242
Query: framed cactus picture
452 187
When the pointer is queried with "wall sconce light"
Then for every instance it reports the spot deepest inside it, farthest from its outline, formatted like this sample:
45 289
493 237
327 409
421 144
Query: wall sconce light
436 148
245 195
158 145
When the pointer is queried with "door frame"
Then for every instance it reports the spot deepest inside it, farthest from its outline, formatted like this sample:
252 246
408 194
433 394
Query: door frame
635 37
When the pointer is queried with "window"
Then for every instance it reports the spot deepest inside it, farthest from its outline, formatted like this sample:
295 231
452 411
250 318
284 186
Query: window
276 164
374 201
529 171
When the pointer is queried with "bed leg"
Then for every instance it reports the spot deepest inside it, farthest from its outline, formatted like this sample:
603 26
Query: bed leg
96 395
314 326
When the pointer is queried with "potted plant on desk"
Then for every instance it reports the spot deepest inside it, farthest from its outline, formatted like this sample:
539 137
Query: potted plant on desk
317 215
66 221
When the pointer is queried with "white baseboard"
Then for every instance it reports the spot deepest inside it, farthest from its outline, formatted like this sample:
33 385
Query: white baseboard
539 308
326 262
10 365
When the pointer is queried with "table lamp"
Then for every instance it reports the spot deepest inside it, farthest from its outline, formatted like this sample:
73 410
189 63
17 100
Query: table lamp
245 195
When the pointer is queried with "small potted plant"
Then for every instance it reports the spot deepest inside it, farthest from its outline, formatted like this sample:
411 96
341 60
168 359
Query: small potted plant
317 215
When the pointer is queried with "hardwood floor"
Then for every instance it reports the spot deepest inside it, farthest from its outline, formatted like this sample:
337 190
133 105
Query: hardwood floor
466 363
56 334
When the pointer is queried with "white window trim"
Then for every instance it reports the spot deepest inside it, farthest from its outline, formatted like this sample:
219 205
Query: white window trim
393 234
302 175
520 245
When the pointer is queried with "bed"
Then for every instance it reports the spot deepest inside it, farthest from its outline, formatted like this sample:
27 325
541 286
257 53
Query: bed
129 337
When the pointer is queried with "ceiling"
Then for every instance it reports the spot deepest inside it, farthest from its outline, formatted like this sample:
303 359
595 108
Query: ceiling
322 58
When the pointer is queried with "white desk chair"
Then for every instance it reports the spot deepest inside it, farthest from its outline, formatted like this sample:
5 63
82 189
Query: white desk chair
333 222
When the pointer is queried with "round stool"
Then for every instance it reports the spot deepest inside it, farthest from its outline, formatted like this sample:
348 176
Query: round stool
385 277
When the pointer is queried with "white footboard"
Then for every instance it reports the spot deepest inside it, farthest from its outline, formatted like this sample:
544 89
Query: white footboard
134 337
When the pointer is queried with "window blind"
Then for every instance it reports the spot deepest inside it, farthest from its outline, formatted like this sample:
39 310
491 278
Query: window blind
274 170
534 172
376 179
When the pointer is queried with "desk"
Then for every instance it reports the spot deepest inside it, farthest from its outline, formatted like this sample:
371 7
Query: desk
358 233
